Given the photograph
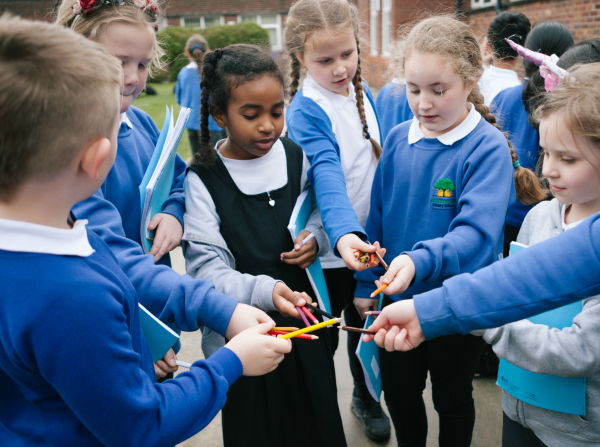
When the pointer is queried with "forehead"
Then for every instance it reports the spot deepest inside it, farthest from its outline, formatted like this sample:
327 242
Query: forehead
555 135
127 40
265 91
427 68
326 41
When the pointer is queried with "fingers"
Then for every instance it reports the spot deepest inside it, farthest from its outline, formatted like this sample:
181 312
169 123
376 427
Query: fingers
380 322
163 250
280 345
400 342
155 221
170 358
157 243
390 339
380 338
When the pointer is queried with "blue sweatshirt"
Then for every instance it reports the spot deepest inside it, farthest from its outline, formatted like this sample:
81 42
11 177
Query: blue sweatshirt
392 107
114 214
75 369
548 275
187 91
513 120
443 205
310 128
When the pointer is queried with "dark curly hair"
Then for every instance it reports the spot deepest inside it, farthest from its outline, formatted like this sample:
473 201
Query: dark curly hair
513 25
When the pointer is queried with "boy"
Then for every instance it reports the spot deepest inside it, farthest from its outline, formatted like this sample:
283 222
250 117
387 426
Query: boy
74 366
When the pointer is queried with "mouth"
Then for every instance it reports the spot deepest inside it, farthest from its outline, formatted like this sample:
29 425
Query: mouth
341 81
557 188
266 143
428 118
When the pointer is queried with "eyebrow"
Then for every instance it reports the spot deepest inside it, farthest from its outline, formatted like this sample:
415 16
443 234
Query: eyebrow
250 106
431 85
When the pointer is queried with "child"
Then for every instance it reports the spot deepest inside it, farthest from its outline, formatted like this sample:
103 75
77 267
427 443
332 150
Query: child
569 137
74 366
512 106
440 196
239 200
392 106
501 74
333 118
188 92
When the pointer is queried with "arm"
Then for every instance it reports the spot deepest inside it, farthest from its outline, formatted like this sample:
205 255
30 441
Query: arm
175 204
314 223
571 352
173 298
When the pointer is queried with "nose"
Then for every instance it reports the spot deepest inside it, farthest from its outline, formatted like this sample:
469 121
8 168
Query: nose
425 102
130 75
339 70
549 169
266 126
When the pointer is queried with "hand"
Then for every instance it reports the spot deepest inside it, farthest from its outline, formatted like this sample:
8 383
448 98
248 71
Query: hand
259 352
349 243
166 365
302 255
245 317
168 234
364 304
399 275
286 301
397 327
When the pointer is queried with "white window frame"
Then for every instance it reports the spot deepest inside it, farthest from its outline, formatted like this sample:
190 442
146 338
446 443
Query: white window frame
386 28
275 26
374 7
478 4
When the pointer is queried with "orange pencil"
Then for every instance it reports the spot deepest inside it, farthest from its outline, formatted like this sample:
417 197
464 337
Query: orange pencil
374 294
303 336
309 315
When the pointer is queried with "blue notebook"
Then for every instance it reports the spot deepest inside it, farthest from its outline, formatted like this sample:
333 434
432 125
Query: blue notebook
368 355
159 336
562 394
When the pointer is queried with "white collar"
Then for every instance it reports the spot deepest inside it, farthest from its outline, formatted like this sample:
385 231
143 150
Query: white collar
125 119
564 224
193 65
502 72
338 101
27 237
458 133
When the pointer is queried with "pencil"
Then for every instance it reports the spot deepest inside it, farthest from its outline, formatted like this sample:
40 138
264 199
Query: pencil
385 266
285 329
374 294
309 315
373 312
303 336
355 329
299 309
322 312
184 364
312 328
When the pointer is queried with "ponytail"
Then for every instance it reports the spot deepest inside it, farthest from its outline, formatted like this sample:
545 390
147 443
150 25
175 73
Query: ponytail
206 153
527 183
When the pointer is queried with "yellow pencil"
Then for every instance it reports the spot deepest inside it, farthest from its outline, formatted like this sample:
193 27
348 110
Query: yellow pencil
311 328
285 329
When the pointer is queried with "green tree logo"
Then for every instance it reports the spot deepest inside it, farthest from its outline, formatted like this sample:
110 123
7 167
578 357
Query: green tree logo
444 187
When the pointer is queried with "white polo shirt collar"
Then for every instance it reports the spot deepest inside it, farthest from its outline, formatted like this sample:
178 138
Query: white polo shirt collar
338 101
415 133
125 119
27 237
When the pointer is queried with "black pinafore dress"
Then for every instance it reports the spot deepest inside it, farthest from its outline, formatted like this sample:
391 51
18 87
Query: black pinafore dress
295 405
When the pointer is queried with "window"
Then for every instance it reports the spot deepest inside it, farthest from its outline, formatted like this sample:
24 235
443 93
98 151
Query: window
192 22
481 3
200 22
386 27
269 22
211 21
374 8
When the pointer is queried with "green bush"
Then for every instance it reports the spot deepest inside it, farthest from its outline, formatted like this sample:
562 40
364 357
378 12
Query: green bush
173 39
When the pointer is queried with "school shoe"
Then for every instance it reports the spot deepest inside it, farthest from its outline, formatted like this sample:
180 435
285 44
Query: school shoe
375 422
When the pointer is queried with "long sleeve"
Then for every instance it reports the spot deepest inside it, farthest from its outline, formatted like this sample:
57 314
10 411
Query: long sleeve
548 275
314 223
175 203
173 298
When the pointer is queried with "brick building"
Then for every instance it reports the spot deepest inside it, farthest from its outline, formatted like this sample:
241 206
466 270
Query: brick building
29 9
381 19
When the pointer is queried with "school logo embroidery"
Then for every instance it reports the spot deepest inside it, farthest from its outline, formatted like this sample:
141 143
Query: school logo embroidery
443 196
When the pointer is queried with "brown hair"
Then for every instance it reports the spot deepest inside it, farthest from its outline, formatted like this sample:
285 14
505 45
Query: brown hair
308 17
59 92
197 46
456 42
93 24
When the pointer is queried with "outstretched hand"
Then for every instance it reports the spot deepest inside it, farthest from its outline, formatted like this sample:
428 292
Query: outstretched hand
398 276
397 327
286 300
349 244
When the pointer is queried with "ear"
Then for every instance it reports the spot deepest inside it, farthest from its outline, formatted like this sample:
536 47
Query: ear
218 115
300 59
487 47
94 156
187 53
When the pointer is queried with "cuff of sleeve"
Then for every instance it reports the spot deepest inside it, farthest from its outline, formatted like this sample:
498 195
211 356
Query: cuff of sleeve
336 237
219 312
423 264
174 209
264 295
321 238
434 314
228 363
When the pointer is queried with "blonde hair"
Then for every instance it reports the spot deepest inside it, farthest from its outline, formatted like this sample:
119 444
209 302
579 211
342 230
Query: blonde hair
456 43
59 92
311 17
91 25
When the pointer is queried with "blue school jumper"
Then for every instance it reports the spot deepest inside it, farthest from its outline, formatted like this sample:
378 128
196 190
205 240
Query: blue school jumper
187 91
114 213
443 205
392 107
512 118
312 130
75 369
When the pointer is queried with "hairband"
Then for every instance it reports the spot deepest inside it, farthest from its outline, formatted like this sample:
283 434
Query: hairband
551 72
86 7
197 47
366 132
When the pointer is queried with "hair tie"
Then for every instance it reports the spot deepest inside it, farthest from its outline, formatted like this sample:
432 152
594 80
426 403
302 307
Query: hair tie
516 164
197 47
366 132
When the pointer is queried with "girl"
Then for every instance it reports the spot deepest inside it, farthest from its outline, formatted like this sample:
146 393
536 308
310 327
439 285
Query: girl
392 106
187 91
571 143
512 107
239 200
333 118
440 196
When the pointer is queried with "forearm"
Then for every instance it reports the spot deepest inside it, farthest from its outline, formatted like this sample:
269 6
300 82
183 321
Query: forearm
175 203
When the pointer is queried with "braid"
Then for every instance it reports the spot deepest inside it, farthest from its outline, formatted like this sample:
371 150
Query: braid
295 76
357 81
527 183
206 153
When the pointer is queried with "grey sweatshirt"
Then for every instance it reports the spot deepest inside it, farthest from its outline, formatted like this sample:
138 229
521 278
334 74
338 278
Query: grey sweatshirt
571 352
208 257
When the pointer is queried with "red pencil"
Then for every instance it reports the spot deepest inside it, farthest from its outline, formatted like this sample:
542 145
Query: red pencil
309 315
303 336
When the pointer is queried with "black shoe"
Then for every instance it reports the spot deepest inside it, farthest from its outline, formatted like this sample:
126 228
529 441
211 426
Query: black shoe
375 422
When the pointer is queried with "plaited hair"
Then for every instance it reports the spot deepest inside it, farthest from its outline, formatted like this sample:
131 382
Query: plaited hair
455 42
223 71
312 17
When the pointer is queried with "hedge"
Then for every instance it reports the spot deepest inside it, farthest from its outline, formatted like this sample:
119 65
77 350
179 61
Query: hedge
173 39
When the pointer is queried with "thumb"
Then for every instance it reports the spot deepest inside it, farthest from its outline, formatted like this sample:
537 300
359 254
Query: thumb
380 322
391 273
263 328
363 246
154 222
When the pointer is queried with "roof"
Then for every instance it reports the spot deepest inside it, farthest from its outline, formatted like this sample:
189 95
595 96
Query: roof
29 9
227 7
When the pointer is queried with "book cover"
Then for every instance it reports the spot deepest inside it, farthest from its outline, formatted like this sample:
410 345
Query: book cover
368 355
159 336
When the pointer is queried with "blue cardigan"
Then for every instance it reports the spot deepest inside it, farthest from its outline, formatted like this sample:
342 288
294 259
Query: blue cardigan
309 126
392 107
187 91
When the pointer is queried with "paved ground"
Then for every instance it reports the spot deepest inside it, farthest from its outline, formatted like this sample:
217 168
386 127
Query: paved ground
488 426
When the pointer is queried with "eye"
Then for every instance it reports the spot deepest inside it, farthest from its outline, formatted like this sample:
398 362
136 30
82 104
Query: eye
348 54
277 114
143 66
250 117
568 160
439 93
415 92
323 62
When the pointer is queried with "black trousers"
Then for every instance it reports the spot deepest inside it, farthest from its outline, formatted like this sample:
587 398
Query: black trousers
451 361
515 435
341 286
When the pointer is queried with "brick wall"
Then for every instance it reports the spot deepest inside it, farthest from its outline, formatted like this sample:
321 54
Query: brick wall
32 10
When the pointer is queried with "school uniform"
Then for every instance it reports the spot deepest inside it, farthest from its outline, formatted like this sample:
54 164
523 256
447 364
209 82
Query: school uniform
392 106
187 92
75 368
494 80
443 202
252 213
114 213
